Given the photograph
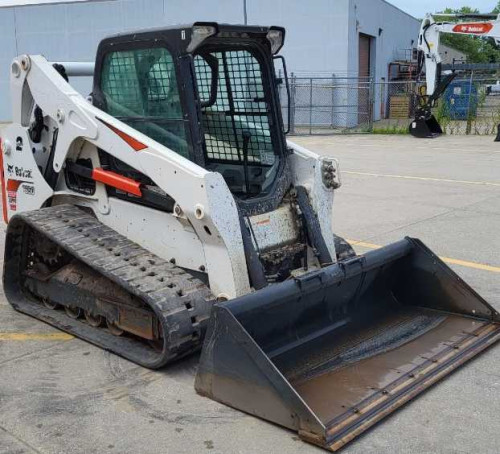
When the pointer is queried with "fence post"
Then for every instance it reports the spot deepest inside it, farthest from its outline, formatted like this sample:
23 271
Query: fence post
333 99
371 104
468 128
310 106
293 92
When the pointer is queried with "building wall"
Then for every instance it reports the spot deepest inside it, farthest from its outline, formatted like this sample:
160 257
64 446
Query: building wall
8 49
391 29
315 45
316 39
71 32
448 54
322 37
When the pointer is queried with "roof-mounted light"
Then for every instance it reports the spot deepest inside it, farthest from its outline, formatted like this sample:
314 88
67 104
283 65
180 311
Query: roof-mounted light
200 33
276 37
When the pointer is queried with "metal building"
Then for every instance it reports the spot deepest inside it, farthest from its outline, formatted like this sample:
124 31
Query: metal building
331 38
451 56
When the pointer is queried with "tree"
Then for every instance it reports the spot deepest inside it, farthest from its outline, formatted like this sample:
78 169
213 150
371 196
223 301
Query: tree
477 50
463 10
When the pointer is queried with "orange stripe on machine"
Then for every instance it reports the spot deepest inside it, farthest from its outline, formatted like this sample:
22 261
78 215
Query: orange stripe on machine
134 143
12 187
477 28
117 181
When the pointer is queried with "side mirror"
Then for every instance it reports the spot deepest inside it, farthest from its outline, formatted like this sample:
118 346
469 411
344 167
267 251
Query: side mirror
279 81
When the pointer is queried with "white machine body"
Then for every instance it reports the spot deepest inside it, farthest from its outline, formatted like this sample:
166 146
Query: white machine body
203 232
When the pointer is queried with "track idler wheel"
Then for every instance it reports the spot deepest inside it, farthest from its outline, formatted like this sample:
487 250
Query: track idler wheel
73 312
113 328
93 320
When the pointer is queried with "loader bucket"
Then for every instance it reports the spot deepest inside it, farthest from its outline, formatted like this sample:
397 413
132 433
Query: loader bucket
425 128
333 352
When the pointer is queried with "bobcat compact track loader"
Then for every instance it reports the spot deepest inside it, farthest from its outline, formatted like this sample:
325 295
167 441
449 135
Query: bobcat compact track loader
169 208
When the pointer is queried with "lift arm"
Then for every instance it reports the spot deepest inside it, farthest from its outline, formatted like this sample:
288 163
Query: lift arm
201 195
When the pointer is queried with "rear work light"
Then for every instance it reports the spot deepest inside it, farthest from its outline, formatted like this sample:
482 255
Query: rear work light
276 36
199 34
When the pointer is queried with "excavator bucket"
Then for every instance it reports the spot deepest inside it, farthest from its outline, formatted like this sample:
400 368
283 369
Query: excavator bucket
425 128
333 352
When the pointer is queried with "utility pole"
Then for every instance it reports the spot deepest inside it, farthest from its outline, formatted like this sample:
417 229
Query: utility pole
245 17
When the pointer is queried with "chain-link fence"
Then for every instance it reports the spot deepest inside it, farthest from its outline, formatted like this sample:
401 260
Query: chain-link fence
395 103
329 105
471 105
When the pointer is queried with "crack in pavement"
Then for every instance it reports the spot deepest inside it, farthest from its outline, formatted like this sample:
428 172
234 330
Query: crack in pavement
20 440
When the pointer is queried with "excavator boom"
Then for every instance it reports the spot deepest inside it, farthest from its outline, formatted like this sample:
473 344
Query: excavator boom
425 124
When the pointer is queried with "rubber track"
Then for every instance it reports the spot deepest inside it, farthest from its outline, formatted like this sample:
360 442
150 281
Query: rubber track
181 302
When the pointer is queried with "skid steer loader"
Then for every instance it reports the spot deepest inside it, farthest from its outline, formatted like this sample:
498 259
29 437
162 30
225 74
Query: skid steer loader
168 208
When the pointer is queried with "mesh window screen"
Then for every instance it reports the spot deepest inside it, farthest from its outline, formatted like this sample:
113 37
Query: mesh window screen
141 89
239 107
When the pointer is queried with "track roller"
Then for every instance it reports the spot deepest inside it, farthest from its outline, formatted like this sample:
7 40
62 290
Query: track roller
93 320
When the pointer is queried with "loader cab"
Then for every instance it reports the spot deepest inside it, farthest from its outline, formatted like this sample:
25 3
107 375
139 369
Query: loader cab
208 92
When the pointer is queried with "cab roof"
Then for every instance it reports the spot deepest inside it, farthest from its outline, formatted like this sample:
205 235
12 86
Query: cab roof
179 36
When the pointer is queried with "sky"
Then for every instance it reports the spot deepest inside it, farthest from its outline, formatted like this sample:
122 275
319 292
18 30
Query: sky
418 8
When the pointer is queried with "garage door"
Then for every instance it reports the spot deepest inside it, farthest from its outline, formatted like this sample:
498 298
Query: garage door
364 74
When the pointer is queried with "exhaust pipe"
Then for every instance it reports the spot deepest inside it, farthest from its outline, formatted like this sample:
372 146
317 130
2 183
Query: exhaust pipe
331 353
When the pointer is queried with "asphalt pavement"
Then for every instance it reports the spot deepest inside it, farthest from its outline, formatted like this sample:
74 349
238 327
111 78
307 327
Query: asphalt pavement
62 395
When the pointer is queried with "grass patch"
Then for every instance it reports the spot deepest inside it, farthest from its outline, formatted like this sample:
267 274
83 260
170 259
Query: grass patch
392 129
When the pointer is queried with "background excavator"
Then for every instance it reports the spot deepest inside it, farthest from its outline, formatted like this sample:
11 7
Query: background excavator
425 124
168 209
